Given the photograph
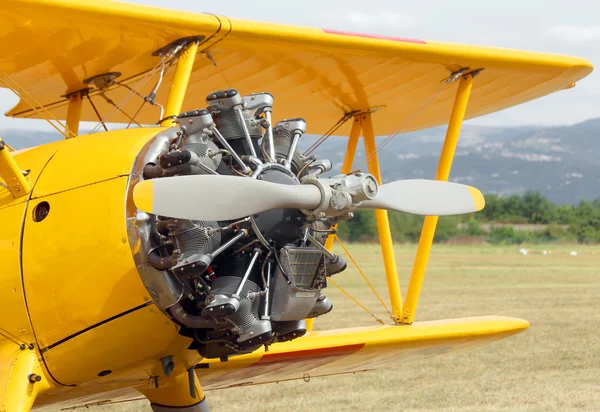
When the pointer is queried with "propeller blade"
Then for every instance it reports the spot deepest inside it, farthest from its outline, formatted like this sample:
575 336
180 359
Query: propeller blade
216 197
427 197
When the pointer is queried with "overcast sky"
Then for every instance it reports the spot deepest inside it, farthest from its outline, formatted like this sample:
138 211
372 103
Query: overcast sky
557 26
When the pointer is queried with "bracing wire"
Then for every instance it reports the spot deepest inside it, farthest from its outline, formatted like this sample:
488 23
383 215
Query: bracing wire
132 92
14 339
388 139
330 132
97 113
214 63
355 263
39 108
406 122
112 103
353 299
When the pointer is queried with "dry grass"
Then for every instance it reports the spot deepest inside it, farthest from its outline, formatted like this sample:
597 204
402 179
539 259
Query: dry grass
555 365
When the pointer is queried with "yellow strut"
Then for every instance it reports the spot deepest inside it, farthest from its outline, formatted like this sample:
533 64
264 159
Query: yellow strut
430 223
383 224
24 382
348 161
185 65
74 114
13 176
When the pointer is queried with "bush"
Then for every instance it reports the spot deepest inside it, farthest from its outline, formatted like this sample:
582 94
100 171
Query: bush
532 208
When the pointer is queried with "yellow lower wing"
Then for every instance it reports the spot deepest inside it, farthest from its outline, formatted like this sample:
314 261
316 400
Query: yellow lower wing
355 350
321 354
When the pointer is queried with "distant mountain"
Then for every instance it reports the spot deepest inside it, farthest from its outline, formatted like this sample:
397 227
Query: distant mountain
562 163
20 139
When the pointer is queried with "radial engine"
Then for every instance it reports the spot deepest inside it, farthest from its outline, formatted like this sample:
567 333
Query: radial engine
237 285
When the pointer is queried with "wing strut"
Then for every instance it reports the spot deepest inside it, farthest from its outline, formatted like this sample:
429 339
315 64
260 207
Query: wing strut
383 223
363 122
185 66
443 173
406 313
74 113
21 381
15 178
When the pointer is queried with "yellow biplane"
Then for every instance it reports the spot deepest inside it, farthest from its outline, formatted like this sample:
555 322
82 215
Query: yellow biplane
193 254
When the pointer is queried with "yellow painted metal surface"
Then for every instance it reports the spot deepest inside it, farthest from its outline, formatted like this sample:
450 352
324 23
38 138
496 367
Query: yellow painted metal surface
77 265
17 393
383 224
92 158
175 393
185 66
317 354
29 159
129 346
144 337
312 73
74 114
55 44
12 175
415 283
13 312
357 349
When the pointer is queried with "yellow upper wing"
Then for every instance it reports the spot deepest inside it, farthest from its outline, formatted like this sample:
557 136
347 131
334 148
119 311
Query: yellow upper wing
50 46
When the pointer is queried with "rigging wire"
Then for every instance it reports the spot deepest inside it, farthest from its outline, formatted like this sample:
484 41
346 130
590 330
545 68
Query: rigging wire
97 113
214 63
150 98
331 131
14 339
406 122
132 92
39 108
136 114
329 280
355 263
111 102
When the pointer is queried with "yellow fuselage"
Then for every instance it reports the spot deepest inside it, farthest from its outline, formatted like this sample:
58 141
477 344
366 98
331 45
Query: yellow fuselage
69 282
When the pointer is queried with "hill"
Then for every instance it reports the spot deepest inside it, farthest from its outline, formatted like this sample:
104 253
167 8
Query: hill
562 163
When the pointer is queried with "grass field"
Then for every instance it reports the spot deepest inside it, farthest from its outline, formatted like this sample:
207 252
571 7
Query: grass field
554 366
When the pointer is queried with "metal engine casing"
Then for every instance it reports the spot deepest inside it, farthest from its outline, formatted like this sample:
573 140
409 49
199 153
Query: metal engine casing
306 270
194 239
207 152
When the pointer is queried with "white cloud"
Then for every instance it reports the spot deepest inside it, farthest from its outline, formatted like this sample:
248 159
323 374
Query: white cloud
575 34
366 20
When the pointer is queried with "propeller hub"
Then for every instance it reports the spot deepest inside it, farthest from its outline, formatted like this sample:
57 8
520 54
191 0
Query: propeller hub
280 225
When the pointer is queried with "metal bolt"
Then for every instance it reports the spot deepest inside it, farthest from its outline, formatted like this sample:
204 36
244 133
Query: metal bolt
33 378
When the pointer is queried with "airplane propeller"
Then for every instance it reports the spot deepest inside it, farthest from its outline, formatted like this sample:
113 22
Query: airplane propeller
187 197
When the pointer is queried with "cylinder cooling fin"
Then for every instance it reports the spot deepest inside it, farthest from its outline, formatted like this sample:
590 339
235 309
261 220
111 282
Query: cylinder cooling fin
234 286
